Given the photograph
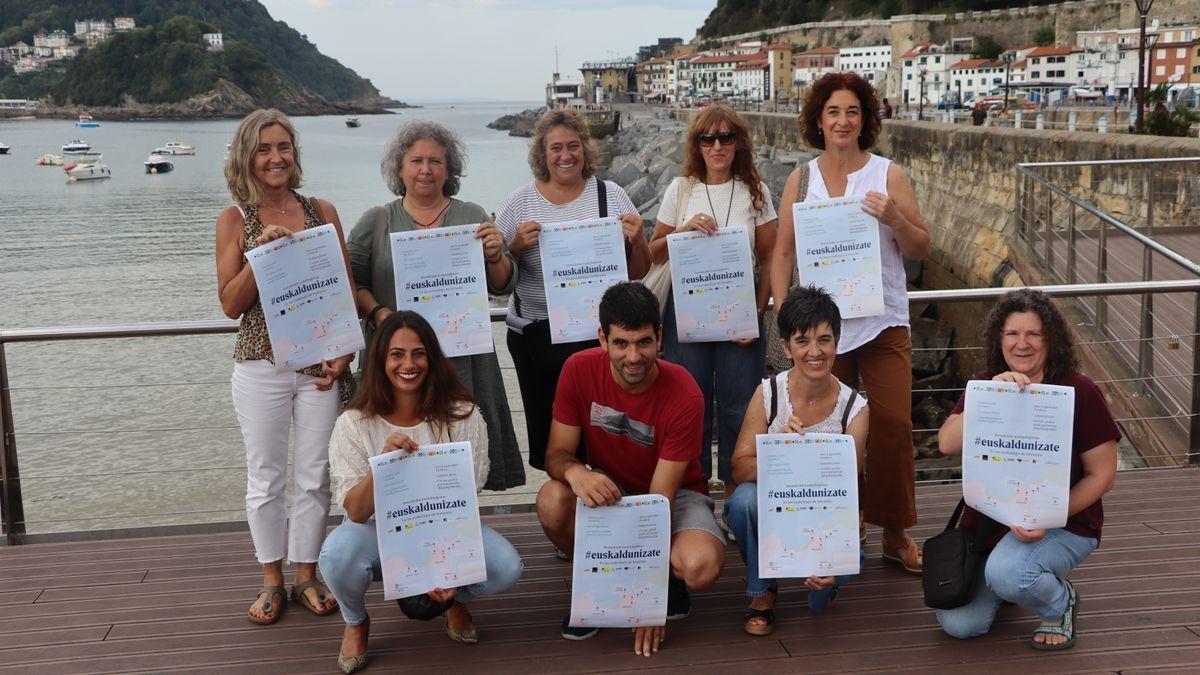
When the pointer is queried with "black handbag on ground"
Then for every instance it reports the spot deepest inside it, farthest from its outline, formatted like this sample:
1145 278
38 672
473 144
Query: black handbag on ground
952 559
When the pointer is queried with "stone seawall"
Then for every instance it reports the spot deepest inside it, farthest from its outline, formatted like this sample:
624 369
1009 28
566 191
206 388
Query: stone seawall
965 179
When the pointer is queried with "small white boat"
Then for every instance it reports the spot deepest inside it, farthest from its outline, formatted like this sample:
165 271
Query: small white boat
158 164
50 159
353 122
175 148
76 171
86 120
75 147
5 150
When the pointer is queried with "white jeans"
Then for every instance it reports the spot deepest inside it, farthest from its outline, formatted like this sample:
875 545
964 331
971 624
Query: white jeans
267 405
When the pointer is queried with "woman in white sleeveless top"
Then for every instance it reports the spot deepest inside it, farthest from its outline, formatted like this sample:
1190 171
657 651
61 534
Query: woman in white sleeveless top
806 397
840 116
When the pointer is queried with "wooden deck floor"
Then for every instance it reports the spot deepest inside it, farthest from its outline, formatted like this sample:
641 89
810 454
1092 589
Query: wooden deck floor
177 604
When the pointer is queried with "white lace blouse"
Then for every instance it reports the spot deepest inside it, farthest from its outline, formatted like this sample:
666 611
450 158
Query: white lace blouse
356 439
829 425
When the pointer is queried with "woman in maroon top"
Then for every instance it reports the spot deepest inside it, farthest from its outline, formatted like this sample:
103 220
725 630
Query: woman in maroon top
1026 341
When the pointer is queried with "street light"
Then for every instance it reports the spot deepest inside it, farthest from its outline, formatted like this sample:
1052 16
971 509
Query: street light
921 96
1143 7
1007 57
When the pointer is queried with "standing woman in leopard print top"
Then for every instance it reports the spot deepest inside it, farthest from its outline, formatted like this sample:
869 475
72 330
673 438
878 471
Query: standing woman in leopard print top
263 172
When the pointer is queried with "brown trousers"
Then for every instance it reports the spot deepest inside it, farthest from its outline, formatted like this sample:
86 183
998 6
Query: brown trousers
885 366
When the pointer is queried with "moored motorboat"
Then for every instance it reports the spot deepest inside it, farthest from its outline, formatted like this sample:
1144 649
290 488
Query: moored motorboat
76 147
158 164
86 120
353 122
77 171
5 149
175 148
50 159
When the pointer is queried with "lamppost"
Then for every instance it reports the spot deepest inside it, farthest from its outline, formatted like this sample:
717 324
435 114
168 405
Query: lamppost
1143 7
921 96
1008 61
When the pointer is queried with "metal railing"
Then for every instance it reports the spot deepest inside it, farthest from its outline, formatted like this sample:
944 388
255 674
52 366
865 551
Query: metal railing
1069 238
12 502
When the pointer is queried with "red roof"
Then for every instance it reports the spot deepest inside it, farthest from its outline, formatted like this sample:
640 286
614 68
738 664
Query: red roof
756 64
969 63
1049 51
1020 64
917 49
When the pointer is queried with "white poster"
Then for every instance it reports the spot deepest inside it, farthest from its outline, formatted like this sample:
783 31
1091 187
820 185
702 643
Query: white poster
807 505
304 288
1016 459
580 260
441 276
622 563
837 248
713 280
427 519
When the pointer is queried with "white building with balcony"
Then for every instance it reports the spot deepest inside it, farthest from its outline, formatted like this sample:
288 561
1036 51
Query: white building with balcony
871 62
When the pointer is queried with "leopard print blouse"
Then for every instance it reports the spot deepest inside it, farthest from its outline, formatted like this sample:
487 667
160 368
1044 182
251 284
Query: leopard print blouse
253 344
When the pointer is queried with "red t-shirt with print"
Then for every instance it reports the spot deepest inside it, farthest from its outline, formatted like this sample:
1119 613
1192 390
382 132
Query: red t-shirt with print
1094 425
626 434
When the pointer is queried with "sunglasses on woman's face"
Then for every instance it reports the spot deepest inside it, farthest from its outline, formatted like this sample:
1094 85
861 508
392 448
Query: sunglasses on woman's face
707 140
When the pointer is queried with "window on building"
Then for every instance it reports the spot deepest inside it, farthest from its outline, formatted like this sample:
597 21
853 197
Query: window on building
1160 70
1196 69
1181 53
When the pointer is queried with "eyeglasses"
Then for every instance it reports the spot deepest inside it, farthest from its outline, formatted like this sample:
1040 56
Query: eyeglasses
707 140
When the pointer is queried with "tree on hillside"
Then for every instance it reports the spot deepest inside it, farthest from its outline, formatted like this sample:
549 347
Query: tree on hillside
1044 37
987 48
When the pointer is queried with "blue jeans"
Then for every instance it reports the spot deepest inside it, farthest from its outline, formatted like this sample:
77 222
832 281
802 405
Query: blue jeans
350 562
741 512
727 371
1026 574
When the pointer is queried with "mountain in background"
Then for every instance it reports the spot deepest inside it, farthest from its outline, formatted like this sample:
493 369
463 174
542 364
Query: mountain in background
164 60
731 17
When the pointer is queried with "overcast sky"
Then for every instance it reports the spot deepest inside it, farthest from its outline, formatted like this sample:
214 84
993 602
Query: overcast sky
482 49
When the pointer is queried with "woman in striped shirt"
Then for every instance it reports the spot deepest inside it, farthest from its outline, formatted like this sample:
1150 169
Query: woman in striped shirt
563 160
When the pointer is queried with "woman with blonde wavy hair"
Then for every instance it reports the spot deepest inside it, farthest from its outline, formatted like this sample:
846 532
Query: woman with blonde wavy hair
263 173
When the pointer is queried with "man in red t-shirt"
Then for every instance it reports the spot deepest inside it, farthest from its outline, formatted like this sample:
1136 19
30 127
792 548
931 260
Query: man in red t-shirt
641 420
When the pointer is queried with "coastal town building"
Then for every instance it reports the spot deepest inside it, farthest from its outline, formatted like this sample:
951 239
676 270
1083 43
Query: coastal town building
562 94
124 23
813 63
973 79
871 62
654 77
925 77
752 80
49 41
713 76
782 71
611 80
216 41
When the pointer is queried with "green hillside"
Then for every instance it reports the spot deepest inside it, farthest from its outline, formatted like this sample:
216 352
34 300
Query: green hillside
247 22
731 17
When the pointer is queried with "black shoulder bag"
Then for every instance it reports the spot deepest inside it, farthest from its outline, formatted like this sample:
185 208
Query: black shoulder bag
952 559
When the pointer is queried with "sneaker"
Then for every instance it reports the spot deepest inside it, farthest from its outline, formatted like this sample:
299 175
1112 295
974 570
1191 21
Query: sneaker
724 525
570 632
679 602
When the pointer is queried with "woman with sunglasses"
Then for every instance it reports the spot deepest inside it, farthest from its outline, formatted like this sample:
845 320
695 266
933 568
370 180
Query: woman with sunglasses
840 116
719 188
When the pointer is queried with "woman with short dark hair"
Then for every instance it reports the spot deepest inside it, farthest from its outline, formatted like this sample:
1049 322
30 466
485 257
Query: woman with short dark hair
410 396
1027 341
840 116
424 165
805 398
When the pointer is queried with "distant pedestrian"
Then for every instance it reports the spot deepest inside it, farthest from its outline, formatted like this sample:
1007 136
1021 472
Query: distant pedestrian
887 110
978 116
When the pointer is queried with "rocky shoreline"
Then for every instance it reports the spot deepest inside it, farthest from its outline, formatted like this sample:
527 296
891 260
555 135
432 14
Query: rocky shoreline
518 124
647 154
224 101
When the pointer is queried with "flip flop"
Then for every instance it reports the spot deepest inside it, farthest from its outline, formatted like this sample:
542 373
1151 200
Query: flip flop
268 607
1065 629
323 596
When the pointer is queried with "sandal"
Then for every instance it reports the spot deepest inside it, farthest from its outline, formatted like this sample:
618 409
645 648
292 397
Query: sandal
322 597
269 608
1065 629
907 556
768 615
